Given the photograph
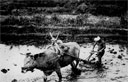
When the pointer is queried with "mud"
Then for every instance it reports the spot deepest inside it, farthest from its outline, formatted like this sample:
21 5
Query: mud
114 68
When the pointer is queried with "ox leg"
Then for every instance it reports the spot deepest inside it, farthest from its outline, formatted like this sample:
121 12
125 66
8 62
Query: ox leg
45 78
77 62
59 74
73 67
75 71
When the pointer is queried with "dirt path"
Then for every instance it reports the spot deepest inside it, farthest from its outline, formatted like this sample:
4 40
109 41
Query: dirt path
115 65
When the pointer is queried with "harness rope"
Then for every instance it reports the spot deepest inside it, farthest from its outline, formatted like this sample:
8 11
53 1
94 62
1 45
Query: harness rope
85 61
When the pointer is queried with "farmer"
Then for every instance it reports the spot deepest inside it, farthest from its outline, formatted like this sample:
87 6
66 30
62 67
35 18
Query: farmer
101 49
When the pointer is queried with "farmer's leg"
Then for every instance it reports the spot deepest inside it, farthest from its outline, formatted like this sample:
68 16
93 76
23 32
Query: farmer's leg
100 55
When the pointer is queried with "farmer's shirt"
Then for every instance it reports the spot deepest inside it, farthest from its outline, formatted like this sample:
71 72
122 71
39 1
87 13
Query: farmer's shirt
100 45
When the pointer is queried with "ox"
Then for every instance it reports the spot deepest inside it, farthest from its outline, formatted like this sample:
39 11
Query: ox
49 61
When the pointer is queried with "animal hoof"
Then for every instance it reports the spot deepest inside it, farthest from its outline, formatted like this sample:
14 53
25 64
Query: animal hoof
76 71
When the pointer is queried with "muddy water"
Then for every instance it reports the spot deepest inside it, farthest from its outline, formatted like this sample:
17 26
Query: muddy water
114 69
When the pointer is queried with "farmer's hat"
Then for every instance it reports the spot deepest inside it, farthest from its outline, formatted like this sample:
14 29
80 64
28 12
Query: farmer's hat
97 39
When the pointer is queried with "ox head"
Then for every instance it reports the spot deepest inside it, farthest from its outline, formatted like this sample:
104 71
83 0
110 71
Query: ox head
29 63
53 39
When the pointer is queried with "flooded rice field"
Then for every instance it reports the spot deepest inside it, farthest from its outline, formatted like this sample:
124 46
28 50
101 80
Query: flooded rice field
114 69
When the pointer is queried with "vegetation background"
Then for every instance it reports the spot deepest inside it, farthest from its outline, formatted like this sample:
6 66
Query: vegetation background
30 21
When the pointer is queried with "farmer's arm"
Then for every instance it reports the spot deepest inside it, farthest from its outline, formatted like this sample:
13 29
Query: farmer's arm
89 56
91 51
103 47
94 45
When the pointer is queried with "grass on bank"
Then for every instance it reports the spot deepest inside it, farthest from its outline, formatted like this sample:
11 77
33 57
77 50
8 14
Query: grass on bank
62 20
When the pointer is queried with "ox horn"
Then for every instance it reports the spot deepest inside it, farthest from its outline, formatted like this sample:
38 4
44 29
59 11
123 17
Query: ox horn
57 35
51 35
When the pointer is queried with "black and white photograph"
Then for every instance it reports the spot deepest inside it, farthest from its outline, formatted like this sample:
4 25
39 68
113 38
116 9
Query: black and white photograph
63 41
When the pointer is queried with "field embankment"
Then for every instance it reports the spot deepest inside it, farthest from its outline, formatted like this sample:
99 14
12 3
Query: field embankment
29 22
39 36
80 28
